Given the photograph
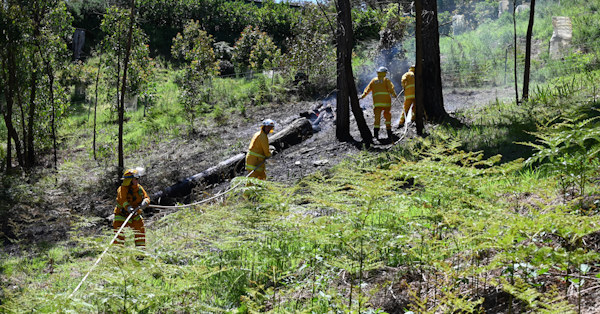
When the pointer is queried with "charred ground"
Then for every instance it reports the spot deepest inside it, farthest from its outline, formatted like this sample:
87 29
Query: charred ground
51 215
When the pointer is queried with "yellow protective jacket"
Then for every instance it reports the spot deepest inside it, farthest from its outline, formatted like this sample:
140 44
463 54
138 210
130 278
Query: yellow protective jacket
129 196
382 88
408 83
258 151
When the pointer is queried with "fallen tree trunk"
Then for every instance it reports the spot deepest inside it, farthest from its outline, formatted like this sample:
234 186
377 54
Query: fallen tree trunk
293 134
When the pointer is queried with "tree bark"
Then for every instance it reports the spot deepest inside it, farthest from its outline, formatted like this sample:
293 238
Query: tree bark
30 156
527 71
342 130
10 91
50 73
433 99
419 66
346 85
515 50
121 165
96 105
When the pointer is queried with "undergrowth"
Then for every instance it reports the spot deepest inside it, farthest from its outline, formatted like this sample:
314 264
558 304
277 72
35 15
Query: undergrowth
429 227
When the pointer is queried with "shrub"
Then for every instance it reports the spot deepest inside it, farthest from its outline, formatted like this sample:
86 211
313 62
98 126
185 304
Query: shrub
195 47
254 50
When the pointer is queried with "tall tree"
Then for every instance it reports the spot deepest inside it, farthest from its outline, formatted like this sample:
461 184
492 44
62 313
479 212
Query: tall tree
345 78
121 165
124 43
419 65
12 18
54 26
514 15
433 99
528 51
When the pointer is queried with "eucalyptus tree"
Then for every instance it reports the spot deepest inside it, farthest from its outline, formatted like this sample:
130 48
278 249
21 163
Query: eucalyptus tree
33 46
12 37
255 50
127 60
52 25
311 51
527 71
195 47
433 100
345 78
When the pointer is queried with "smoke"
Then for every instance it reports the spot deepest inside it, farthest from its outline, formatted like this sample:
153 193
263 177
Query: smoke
394 59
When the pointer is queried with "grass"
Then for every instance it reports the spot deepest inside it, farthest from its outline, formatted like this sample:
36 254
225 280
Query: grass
443 222
484 56
443 207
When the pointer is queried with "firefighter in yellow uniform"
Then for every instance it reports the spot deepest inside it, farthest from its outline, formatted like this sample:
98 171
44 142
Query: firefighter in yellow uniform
258 151
383 91
131 198
408 83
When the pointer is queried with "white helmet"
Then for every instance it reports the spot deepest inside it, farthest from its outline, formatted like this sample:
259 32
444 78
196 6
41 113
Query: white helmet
382 69
268 122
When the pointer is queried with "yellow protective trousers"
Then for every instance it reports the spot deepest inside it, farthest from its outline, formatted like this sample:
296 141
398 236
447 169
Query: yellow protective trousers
137 224
408 102
262 175
387 115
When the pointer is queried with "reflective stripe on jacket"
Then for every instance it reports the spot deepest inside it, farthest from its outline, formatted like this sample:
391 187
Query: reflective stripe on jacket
383 91
258 151
408 83
129 196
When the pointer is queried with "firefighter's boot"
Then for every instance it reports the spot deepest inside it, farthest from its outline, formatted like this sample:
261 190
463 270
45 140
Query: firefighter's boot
390 134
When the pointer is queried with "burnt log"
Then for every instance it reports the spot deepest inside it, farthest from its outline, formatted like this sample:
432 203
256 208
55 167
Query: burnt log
296 132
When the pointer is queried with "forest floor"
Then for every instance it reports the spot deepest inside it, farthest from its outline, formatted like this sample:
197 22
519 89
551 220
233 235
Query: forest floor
91 201
168 161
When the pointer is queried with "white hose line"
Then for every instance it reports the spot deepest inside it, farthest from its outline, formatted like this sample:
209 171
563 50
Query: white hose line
208 199
101 255
199 202
153 206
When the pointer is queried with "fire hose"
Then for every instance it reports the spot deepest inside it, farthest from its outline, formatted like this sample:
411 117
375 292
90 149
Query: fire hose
159 207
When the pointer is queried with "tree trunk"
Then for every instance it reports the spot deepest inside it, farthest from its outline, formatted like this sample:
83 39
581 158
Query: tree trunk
342 118
96 105
346 85
24 128
419 66
527 72
515 50
342 104
10 91
50 73
121 165
30 162
433 99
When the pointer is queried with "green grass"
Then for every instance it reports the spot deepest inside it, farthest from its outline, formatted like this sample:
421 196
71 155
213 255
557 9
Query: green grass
444 206
422 214
448 218
480 57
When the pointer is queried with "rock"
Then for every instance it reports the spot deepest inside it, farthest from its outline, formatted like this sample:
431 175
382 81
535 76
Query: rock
321 162
525 7
502 7
561 37
459 25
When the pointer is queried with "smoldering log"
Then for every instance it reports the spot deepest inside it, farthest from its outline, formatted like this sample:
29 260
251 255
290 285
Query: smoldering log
296 132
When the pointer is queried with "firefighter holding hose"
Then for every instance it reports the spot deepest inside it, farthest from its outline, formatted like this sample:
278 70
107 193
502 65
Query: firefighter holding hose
131 198
383 91
259 151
